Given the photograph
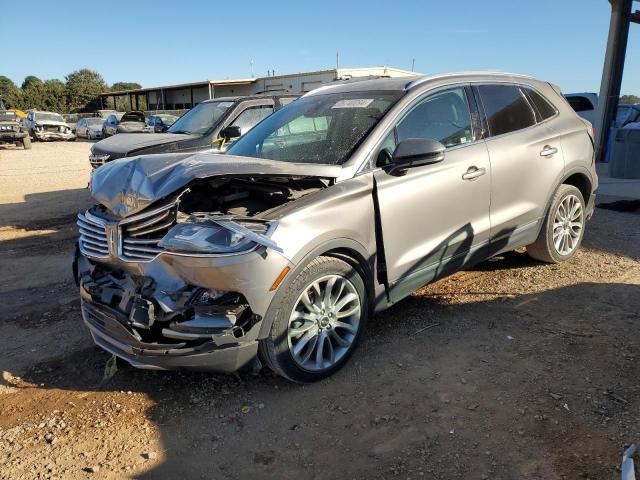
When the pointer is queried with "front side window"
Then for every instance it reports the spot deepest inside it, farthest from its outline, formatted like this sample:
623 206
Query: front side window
201 119
443 116
506 108
322 129
251 117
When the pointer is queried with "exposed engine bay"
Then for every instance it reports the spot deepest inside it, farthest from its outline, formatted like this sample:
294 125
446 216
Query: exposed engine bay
245 197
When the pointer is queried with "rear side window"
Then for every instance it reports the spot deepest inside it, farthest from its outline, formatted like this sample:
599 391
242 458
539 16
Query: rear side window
542 106
580 103
506 108
251 116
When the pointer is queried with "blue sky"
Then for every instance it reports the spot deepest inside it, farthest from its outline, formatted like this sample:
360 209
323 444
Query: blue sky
163 42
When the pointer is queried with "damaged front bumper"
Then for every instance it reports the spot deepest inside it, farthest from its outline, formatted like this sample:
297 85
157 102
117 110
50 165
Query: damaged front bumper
177 311
11 137
47 135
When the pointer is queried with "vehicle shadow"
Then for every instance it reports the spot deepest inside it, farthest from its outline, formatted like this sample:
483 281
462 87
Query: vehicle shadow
389 401
214 426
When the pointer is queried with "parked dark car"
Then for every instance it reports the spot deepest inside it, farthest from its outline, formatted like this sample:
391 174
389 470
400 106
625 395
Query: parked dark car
202 128
132 122
110 125
12 131
161 123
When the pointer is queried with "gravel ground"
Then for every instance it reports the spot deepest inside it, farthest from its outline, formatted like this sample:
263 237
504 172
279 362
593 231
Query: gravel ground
512 369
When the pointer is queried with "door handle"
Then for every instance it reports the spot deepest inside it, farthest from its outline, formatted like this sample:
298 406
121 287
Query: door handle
473 173
547 151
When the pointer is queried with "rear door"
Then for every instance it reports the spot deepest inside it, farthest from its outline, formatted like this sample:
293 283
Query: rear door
434 218
526 161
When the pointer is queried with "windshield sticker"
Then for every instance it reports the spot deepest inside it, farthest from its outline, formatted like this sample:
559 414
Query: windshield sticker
354 103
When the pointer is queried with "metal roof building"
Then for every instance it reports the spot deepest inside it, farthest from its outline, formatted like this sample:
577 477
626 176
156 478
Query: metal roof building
186 95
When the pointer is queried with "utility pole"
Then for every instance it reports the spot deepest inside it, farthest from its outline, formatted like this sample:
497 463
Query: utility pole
251 62
413 65
337 60
621 18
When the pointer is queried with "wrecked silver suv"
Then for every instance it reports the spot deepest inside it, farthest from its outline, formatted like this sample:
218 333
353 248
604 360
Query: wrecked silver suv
340 204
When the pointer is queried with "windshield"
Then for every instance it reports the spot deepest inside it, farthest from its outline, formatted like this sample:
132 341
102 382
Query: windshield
95 122
7 117
316 129
48 117
201 118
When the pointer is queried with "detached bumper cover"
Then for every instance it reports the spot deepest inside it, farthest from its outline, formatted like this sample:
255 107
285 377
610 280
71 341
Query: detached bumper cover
110 331
156 318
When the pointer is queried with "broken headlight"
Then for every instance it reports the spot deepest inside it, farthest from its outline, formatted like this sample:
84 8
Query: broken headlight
220 235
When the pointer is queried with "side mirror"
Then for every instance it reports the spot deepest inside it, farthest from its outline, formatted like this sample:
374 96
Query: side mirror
415 152
231 131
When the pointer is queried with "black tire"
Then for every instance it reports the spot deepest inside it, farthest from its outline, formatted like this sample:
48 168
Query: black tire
26 143
275 351
33 136
544 248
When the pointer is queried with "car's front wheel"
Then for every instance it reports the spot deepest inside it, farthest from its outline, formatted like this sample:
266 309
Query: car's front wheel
563 227
318 322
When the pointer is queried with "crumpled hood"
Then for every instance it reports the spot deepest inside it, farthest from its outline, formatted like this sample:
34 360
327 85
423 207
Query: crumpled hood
123 144
51 123
129 185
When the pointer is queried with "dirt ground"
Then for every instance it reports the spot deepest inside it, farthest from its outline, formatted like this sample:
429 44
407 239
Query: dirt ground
512 369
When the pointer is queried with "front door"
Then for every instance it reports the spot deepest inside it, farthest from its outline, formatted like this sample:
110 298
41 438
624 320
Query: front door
435 218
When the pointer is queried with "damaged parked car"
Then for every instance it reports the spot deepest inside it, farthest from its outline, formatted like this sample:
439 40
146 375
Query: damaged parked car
43 126
132 122
337 206
12 131
210 125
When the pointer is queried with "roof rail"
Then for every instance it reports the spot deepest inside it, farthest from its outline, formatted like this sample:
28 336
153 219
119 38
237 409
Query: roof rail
418 81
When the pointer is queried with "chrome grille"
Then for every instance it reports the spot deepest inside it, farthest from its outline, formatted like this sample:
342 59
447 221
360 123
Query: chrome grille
141 233
93 236
98 160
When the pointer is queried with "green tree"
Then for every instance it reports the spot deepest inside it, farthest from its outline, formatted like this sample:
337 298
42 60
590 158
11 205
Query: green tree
33 93
627 99
10 93
119 86
83 90
55 96
122 103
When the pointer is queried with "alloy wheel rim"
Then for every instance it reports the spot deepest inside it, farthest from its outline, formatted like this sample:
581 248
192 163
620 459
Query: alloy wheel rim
567 225
324 323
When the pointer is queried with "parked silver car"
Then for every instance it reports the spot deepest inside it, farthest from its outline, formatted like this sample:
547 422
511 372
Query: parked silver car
338 205
90 128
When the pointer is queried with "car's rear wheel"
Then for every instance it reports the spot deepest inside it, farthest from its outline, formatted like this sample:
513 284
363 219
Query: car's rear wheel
563 227
318 322
26 143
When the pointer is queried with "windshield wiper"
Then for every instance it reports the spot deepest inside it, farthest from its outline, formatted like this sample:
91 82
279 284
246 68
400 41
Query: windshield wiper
180 131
